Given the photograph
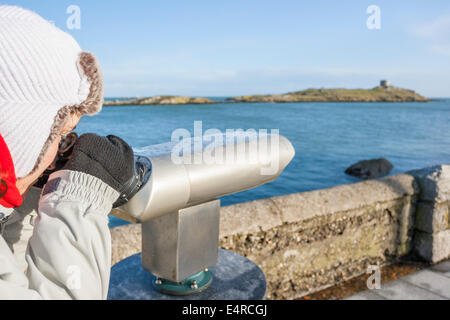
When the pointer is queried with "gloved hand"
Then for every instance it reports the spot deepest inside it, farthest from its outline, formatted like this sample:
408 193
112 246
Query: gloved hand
108 158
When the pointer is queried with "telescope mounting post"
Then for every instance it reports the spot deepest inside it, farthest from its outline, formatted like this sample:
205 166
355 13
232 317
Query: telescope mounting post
178 248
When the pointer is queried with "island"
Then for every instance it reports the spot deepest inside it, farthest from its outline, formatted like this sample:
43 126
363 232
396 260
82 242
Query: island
159 100
382 93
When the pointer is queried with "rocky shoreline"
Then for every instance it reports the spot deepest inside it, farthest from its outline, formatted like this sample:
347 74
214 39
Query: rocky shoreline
377 94
160 100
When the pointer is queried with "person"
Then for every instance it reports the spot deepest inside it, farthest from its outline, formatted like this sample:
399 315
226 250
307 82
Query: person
55 242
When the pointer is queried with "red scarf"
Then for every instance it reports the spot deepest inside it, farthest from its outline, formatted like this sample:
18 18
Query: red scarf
12 197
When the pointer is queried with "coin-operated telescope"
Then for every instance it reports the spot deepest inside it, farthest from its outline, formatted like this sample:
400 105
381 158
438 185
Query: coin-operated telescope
178 184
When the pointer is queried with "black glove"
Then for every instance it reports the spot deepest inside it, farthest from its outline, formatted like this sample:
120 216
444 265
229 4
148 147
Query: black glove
108 158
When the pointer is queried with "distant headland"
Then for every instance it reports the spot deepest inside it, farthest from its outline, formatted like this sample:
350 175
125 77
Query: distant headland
158 100
382 93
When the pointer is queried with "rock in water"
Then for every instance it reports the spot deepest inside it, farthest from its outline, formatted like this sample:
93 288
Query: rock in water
370 169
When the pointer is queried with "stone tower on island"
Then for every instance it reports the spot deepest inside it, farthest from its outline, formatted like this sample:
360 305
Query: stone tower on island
385 83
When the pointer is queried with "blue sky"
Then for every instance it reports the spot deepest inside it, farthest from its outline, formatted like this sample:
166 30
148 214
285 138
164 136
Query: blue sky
222 48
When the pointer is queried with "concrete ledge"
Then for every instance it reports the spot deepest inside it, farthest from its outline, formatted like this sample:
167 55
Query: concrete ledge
261 215
304 205
253 216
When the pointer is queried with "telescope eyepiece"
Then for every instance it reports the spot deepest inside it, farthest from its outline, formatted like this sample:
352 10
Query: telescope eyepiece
143 168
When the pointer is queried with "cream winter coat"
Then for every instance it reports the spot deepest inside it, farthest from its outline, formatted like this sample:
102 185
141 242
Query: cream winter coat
57 245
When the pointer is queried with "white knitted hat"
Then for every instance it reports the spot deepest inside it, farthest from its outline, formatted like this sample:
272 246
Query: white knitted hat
44 76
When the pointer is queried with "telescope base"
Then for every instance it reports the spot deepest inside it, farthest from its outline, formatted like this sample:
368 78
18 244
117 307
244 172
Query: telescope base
192 285
234 277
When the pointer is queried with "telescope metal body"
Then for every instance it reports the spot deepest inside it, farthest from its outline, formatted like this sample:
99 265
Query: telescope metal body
198 170
178 206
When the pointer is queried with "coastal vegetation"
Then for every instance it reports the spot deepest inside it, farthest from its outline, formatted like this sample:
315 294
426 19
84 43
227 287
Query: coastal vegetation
378 94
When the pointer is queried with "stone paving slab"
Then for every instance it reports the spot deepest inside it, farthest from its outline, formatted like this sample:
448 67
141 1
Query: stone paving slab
430 280
443 268
366 295
402 290
428 284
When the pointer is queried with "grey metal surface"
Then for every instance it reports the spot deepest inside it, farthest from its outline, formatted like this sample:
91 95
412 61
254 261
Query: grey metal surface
210 169
234 278
180 244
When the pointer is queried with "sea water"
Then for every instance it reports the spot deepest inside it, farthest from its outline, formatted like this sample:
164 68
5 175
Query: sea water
327 137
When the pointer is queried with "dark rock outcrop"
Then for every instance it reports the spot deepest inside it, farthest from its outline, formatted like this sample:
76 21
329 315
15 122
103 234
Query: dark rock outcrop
370 169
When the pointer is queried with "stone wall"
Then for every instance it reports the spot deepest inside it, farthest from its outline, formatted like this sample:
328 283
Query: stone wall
311 240
432 235
307 241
